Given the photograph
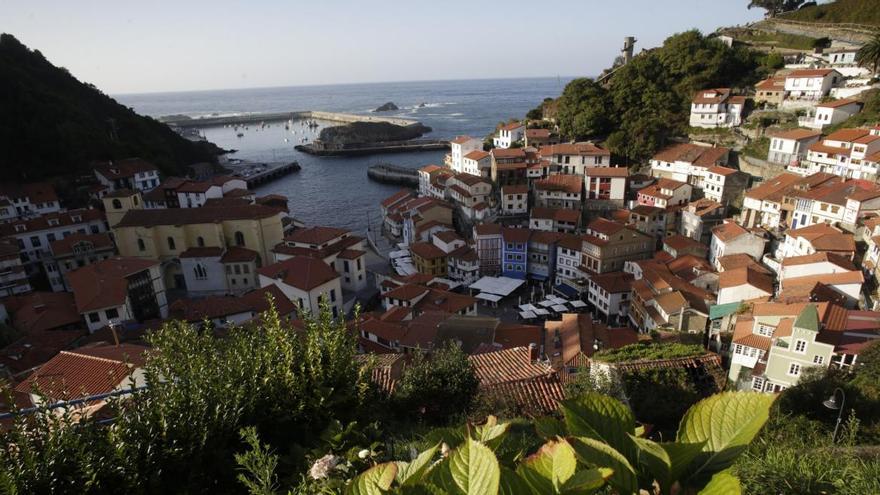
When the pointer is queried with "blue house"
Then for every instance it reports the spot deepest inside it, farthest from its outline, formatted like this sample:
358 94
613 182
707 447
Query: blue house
514 252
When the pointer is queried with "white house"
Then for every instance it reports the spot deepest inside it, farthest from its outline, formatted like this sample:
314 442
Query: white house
131 173
830 113
514 200
789 147
214 270
730 238
849 153
664 193
814 264
459 148
810 84
744 284
723 184
688 162
509 134
576 158
118 290
842 56
716 107
478 163
193 194
27 200
609 293
816 238
306 281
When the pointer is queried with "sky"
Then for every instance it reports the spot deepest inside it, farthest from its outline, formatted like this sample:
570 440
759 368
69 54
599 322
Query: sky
158 45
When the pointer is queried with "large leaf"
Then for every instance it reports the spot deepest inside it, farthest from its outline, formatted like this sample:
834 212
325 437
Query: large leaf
374 481
549 427
598 454
587 481
512 484
490 434
550 467
665 461
409 473
722 483
727 422
471 469
680 456
603 418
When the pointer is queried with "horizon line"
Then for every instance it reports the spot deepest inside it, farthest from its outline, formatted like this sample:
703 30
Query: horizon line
139 93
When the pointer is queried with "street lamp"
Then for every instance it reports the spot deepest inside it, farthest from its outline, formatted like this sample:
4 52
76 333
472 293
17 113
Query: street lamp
835 405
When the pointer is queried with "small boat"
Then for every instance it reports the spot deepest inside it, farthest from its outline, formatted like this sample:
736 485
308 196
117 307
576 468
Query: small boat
240 134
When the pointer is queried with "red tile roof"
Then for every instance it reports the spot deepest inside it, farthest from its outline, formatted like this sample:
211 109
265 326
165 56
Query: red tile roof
567 183
838 103
41 311
582 149
507 365
797 134
96 241
303 272
85 371
104 284
238 254
121 169
426 250
190 216
809 73
477 155
315 235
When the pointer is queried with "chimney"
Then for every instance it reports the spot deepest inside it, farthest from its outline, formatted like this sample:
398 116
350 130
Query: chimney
533 352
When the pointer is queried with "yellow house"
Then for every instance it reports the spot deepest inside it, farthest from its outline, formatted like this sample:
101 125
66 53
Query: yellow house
429 259
119 202
163 234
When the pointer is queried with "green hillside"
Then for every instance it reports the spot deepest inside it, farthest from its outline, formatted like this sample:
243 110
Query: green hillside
51 124
848 11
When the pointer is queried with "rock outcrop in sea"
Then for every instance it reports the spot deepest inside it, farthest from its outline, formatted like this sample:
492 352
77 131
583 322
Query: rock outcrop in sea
387 107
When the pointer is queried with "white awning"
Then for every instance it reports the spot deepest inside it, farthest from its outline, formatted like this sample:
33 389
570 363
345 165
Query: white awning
502 286
488 297
577 304
542 312
527 307
398 254
547 303
405 269
526 315
560 308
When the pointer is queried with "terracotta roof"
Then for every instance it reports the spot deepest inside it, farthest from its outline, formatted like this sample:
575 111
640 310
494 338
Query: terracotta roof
839 278
488 229
772 84
508 153
755 341
303 272
747 275
351 254
809 73
195 187
429 169
396 197
797 134
838 103
445 301
847 135
125 168
85 371
104 284
512 126
728 231
315 235
41 311
477 155
725 171
711 96
604 226
583 149
704 156
66 245
461 139
238 254
507 365
426 250
772 186
613 282
406 292
515 189
202 252
561 182
558 214
36 192
679 242
45 222
734 261
190 216
515 235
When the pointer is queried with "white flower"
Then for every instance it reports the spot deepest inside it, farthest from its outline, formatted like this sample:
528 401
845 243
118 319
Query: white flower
322 467
363 454
444 449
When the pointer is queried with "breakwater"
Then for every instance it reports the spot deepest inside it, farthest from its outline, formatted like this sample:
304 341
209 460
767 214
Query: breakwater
259 117
393 174
361 149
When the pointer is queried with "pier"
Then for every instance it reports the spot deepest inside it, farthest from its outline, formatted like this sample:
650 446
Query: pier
258 117
260 173
393 174
361 149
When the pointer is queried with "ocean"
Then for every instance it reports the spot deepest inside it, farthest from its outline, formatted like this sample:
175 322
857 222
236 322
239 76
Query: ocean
335 191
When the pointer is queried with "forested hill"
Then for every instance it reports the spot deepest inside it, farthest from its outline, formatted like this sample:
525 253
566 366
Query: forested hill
51 124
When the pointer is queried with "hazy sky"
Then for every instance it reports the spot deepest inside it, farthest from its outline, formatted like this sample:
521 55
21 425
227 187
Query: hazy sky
124 46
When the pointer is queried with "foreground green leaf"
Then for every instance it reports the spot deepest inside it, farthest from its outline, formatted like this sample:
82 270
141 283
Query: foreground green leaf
602 418
471 469
595 453
587 481
409 473
550 467
491 433
726 422
722 483
373 481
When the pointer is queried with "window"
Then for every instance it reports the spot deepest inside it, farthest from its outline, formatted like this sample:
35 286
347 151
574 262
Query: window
246 268
171 245
333 295
117 205
794 369
765 330
239 238
35 241
818 359
200 271
94 317
141 246
200 241
112 313
358 263
238 269
800 346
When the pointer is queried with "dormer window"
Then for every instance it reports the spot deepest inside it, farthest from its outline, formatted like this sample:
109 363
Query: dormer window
20 228
76 218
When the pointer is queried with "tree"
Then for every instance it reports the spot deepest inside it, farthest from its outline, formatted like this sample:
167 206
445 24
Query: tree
869 54
867 373
439 386
774 7
583 110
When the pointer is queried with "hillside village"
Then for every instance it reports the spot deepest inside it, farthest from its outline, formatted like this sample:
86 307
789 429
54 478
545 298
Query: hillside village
753 242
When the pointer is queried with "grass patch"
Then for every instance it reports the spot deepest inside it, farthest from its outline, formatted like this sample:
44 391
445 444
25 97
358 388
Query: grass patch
841 11
648 352
757 148
779 40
